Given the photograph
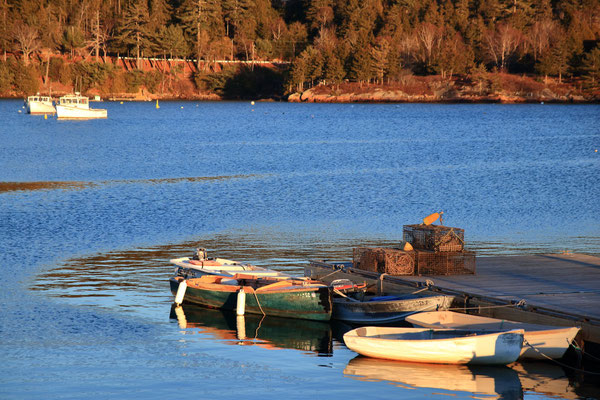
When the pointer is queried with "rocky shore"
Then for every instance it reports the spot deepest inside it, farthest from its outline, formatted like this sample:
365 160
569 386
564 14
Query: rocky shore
493 88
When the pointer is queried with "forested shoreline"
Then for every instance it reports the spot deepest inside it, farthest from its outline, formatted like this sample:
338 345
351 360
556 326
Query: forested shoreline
311 50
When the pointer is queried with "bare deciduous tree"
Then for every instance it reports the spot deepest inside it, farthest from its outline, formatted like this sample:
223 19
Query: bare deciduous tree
27 38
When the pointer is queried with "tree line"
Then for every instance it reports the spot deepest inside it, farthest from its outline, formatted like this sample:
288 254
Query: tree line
325 40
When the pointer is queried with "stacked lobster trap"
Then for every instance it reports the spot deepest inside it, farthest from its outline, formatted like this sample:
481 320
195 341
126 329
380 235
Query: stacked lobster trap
428 250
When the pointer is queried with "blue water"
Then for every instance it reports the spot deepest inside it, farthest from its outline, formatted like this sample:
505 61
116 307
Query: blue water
86 307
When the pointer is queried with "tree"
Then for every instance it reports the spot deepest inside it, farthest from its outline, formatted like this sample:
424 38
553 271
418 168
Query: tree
380 53
73 40
27 38
591 67
170 40
134 28
502 44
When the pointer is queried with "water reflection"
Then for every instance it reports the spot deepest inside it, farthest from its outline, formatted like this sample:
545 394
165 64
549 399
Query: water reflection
478 380
266 332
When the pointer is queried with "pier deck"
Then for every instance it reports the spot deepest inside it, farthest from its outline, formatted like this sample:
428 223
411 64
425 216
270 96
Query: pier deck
558 289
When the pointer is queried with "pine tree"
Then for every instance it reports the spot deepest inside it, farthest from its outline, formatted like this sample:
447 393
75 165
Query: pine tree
133 30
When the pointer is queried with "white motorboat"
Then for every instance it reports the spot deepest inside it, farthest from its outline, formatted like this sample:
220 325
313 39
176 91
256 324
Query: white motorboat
40 105
436 346
541 341
76 106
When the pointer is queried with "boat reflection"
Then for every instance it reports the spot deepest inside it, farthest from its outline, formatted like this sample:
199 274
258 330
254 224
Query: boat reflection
478 380
552 380
266 332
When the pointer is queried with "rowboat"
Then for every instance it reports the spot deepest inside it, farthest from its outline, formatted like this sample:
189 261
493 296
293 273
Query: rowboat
436 346
373 309
200 264
270 296
541 341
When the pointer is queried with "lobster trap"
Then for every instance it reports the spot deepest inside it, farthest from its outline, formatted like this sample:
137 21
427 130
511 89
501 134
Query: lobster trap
444 263
436 238
384 260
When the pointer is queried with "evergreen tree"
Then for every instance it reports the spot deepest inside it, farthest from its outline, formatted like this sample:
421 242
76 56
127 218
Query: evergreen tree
134 29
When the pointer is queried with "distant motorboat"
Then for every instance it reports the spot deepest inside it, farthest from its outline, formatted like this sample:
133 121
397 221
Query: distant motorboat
541 341
39 105
76 106
437 346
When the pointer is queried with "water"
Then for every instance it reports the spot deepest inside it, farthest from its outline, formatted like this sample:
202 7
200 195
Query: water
97 208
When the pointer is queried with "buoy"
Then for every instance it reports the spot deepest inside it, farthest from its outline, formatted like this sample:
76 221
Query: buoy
240 324
430 219
157 106
180 292
407 247
241 302
180 317
252 102
121 102
182 107
45 116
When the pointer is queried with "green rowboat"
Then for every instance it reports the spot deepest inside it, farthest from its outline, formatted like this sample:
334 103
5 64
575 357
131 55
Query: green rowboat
292 298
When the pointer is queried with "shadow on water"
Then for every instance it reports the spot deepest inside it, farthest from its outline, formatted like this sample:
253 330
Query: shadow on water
249 329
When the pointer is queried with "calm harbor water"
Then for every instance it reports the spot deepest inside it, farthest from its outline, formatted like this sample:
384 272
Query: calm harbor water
91 212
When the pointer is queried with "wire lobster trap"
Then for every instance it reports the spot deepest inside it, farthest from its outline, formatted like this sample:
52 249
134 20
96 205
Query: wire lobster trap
436 238
384 260
445 263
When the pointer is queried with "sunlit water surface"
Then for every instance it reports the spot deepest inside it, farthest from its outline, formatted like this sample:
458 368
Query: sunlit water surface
91 212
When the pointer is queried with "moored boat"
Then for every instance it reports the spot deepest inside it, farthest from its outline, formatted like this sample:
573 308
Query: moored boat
76 106
370 309
438 346
270 296
540 342
39 105
200 264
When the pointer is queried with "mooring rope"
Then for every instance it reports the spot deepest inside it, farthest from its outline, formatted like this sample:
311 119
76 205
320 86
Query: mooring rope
258 302
525 342
578 348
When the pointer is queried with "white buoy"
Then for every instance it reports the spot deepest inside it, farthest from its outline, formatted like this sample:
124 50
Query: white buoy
241 302
180 292
240 324
252 102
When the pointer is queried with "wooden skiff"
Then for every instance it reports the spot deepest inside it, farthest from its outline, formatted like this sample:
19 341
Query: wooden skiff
541 341
438 346
283 297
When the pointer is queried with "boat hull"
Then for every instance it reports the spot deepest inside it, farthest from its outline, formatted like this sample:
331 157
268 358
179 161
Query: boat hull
540 342
65 112
435 346
370 312
38 108
312 303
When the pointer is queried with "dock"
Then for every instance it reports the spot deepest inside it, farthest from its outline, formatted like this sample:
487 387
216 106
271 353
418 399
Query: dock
553 289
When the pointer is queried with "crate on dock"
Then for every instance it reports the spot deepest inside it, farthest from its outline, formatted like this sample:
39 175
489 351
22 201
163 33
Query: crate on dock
384 260
445 263
434 237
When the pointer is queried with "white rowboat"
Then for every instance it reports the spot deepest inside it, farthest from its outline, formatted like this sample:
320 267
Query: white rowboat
541 341
437 346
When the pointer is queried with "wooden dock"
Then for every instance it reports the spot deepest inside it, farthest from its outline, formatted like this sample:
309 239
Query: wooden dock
555 289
